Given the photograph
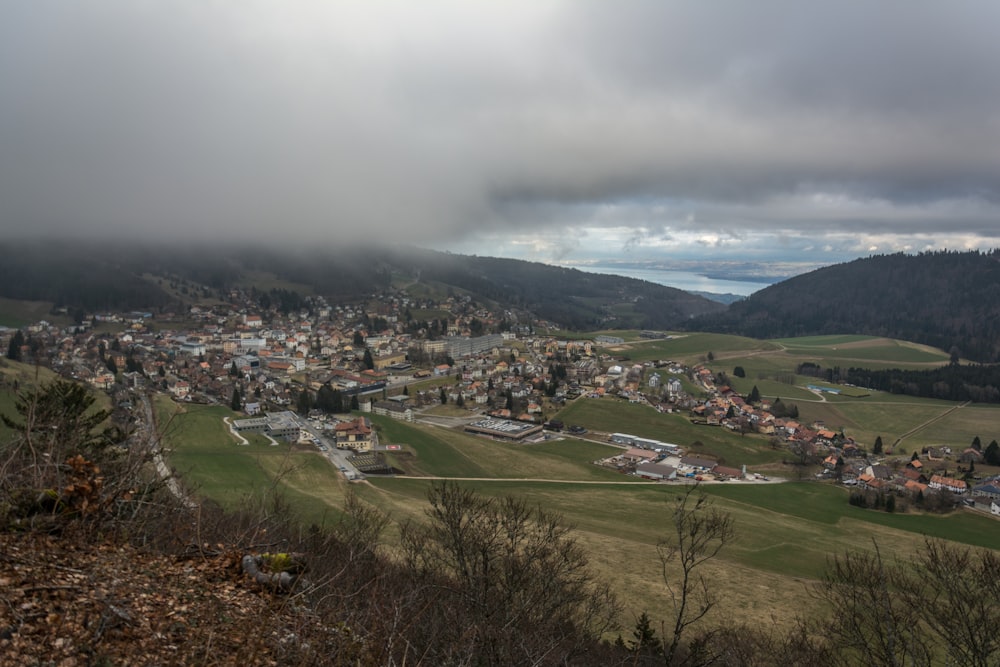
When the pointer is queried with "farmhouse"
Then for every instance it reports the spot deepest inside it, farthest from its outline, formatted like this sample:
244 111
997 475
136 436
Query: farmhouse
953 485
733 473
636 455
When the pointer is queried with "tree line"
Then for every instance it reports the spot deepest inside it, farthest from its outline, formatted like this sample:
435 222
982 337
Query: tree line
949 300
978 383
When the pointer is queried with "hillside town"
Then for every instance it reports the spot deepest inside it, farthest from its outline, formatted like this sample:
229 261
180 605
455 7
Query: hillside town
270 362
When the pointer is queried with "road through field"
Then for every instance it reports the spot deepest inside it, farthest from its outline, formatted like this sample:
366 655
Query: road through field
769 480
930 421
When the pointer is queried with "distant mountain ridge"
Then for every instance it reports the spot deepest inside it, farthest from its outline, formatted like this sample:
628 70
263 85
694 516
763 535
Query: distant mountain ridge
949 300
124 276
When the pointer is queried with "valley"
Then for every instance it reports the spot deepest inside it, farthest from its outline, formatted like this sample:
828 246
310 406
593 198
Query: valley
786 531
605 427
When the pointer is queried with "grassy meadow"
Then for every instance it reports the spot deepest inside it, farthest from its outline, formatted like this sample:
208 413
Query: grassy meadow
785 534
609 415
15 313
690 348
212 463
442 452
862 414
863 350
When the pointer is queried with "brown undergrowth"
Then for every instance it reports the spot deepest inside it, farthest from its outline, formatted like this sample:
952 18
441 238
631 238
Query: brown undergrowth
69 600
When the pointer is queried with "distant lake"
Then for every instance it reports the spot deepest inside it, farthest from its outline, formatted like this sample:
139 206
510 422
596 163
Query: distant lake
683 280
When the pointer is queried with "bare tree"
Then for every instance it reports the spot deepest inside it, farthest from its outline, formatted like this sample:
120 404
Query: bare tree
700 532
871 621
514 584
959 601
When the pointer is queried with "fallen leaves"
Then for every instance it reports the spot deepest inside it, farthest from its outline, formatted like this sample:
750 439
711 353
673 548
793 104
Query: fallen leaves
69 602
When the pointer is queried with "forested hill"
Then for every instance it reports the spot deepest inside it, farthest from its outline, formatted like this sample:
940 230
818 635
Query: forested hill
84 279
123 276
573 298
950 300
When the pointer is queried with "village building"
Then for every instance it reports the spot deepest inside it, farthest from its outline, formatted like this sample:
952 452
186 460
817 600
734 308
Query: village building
989 489
395 409
947 483
283 425
355 435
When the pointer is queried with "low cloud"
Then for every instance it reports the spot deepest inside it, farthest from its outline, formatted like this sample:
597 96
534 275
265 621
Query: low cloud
462 122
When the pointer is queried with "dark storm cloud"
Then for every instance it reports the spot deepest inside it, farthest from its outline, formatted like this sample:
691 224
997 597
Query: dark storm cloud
423 121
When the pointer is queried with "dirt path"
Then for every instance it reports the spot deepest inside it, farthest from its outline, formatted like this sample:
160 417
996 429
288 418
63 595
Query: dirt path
927 423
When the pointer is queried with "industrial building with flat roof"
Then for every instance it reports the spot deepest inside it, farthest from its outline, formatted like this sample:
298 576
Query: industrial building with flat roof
505 429
644 443
276 424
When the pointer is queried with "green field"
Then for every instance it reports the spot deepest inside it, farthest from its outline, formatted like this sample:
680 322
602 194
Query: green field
690 348
785 534
827 504
609 415
213 465
772 389
961 426
835 350
450 453
863 415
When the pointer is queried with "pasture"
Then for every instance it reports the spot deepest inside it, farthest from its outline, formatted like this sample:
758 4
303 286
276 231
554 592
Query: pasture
610 415
688 347
441 452
206 455
862 351
863 414
785 534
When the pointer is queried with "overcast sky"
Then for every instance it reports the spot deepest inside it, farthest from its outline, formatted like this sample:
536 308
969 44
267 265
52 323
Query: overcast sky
556 131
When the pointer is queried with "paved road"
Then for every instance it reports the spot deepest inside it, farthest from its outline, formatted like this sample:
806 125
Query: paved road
528 479
632 481
152 438
338 457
